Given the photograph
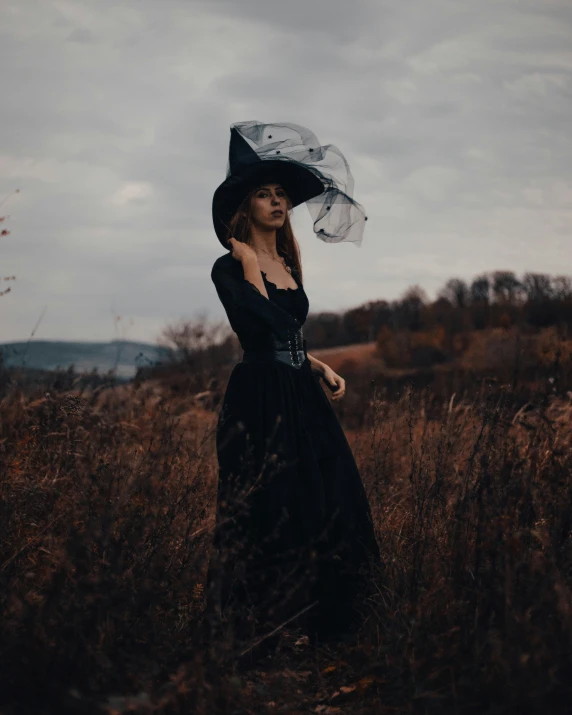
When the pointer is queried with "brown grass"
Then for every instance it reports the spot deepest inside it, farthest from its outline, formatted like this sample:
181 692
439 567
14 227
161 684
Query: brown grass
107 502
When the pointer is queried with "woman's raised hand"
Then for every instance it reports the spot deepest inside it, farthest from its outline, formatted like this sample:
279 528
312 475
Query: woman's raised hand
242 251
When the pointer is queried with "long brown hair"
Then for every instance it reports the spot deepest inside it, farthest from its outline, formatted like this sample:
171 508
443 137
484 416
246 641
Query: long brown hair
286 243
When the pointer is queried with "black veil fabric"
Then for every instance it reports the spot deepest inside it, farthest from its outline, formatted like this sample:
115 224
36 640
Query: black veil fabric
336 215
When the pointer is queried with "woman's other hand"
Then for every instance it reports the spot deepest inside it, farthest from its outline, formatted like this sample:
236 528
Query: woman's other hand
242 251
335 383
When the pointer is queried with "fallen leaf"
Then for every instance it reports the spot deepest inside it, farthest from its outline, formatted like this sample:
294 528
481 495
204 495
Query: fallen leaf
347 689
366 682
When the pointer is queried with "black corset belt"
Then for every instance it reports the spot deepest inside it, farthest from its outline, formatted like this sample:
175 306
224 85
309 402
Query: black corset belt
288 352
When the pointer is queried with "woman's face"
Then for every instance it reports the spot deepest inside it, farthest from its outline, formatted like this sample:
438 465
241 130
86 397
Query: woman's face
269 206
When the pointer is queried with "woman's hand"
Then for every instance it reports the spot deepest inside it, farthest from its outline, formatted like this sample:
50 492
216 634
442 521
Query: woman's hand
242 251
335 382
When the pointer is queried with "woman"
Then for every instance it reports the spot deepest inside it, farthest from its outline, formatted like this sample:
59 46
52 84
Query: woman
294 540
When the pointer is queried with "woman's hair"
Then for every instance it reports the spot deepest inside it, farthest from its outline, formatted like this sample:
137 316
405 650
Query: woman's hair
286 243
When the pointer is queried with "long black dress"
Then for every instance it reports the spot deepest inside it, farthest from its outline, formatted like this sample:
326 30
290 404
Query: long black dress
294 532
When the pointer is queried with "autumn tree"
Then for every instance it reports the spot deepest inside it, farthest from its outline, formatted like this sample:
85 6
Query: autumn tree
480 291
457 292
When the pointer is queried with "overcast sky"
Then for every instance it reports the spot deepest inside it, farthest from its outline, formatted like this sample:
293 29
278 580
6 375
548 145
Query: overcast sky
454 117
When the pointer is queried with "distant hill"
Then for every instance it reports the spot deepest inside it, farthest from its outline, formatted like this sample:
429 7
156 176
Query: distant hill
123 355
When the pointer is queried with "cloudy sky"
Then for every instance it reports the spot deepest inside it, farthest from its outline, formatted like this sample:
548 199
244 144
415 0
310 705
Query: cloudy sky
453 115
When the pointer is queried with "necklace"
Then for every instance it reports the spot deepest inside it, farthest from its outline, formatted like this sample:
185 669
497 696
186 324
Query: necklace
280 259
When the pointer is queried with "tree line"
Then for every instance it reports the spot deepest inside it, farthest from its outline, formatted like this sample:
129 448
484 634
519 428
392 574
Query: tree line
499 299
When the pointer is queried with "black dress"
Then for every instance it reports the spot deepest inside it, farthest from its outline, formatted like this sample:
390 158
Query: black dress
294 533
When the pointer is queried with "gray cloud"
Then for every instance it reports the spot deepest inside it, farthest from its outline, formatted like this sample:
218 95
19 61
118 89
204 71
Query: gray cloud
115 124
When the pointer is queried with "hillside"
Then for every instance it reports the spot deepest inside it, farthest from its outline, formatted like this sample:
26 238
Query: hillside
124 356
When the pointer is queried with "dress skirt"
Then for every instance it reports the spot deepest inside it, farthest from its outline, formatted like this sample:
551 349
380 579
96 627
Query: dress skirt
294 540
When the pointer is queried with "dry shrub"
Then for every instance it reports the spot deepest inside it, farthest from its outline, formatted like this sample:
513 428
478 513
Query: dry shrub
473 507
552 349
499 349
405 348
106 510
106 506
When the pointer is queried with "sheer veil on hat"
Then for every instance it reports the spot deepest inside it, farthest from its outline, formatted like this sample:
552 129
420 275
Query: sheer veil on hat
291 155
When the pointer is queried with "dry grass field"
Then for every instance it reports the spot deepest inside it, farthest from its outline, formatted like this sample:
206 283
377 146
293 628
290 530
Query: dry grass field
107 498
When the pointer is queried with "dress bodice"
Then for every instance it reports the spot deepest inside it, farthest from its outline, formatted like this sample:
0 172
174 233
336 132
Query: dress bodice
294 301
256 319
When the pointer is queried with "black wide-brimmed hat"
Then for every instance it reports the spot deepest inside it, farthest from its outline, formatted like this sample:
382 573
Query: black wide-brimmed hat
290 155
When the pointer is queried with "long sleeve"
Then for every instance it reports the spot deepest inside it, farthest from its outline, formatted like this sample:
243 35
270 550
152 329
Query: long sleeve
248 311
